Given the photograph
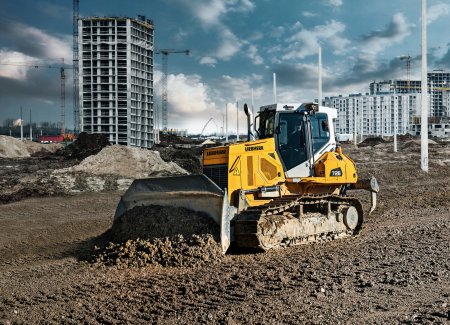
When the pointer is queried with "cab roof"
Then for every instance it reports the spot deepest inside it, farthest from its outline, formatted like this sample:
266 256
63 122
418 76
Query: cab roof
332 112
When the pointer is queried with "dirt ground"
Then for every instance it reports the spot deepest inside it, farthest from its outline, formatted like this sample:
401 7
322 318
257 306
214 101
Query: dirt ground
397 271
90 164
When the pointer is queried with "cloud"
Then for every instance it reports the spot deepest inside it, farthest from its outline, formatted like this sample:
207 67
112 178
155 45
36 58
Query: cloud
40 91
252 53
367 66
230 44
363 71
358 78
444 61
41 96
436 11
54 11
234 89
207 60
378 40
212 12
277 32
306 42
308 14
188 95
23 84
333 3
35 42
238 88
40 84
12 67
191 102
299 75
256 36
299 82
211 15
180 35
240 5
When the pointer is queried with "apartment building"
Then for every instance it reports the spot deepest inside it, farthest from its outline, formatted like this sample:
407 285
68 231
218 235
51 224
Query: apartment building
116 79
438 89
374 114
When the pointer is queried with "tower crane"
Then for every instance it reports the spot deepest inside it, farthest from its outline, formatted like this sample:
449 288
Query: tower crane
407 58
165 55
62 69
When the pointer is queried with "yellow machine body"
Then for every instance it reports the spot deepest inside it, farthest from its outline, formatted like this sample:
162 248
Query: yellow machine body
249 166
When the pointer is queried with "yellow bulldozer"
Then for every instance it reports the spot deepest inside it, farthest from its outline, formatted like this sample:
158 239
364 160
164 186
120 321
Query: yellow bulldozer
286 185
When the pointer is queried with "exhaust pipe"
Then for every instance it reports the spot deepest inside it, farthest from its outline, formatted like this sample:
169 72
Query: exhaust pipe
250 136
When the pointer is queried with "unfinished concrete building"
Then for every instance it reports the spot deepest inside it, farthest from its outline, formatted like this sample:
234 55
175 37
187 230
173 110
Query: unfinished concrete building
438 87
116 79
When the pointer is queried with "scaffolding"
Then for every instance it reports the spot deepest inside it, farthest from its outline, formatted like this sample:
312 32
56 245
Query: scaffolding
76 100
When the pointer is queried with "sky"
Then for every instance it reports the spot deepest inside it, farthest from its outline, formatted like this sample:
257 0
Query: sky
235 47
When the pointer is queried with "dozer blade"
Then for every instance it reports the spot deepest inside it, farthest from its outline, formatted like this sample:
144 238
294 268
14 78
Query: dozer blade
194 192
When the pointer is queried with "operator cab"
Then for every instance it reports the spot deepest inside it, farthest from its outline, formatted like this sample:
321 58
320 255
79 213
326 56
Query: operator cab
302 134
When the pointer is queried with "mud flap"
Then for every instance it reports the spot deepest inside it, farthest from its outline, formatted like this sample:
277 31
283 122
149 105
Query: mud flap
194 192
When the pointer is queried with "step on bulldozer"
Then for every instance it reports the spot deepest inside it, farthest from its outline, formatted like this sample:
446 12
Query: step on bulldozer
288 184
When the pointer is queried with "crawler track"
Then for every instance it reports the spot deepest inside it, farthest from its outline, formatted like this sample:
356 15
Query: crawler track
294 220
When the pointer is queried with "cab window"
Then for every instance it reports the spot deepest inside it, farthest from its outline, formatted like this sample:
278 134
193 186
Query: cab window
266 127
320 131
291 139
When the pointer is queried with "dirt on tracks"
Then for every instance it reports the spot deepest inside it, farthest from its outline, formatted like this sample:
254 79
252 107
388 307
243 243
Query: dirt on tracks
397 271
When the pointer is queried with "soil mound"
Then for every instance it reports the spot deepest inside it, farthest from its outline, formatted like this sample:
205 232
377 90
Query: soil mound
189 159
407 137
171 139
371 142
413 144
84 146
127 161
15 148
161 236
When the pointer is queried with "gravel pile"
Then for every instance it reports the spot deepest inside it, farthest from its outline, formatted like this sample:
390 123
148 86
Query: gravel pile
161 236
